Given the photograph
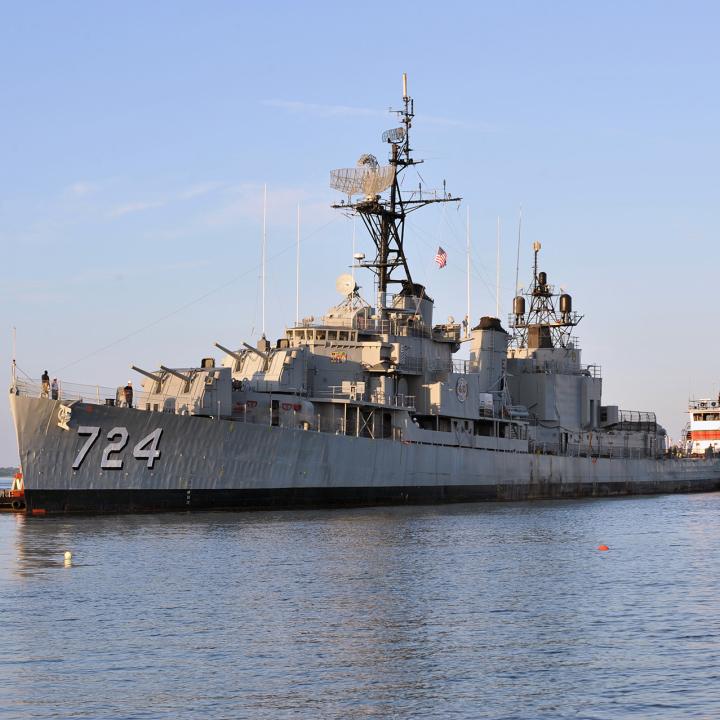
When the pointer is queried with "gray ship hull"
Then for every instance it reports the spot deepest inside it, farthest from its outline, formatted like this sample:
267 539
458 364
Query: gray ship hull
201 463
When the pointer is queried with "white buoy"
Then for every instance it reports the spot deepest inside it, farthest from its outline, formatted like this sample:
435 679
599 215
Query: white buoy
68 556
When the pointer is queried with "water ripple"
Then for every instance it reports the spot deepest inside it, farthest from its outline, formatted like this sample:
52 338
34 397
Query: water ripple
473 611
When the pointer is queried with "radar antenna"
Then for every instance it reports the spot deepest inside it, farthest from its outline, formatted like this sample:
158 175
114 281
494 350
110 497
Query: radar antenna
543 326
384 217
368 178
345 285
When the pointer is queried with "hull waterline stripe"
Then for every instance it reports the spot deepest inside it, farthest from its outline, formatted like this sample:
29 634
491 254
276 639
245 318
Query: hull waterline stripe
121 501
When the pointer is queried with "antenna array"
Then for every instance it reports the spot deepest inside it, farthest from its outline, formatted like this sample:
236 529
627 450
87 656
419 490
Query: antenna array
384 217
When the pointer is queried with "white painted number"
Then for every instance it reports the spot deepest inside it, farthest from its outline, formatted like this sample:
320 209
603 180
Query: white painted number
148 447
114 447
93 432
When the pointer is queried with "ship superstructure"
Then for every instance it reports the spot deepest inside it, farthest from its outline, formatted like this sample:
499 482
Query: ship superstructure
547 378
702 434
365 405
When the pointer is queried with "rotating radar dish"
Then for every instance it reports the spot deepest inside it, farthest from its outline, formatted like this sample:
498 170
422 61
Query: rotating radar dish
345 284
368 178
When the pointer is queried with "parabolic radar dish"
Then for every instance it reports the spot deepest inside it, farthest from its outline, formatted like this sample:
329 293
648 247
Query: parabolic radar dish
345 284
368 178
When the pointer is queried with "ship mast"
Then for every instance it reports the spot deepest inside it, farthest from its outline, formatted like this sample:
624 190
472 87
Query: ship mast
543 326
384 217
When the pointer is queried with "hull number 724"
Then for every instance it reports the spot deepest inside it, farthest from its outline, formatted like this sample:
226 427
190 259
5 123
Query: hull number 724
146 449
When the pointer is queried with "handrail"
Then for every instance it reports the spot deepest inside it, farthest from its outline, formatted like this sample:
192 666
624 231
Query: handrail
91 394
378 398
67 392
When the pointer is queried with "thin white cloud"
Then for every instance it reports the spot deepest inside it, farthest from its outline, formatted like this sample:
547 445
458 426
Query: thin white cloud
440 121
319 110
29 291
199 190
81 188
328 111
245 203
103 275
134 207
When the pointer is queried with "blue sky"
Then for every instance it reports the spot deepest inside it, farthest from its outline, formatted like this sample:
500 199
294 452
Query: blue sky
136 138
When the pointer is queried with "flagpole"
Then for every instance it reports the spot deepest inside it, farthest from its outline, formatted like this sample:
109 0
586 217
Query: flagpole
497 272
297 271
467 317
517 262
352 266
264 243
14 357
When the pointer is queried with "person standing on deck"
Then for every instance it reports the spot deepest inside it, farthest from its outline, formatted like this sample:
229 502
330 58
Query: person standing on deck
128 393
45 384
54 389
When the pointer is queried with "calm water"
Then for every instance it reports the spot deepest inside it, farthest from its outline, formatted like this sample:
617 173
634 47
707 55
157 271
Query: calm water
472 611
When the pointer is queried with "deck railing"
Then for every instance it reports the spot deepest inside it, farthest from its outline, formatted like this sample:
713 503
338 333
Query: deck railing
68 392
400 400
401 328
97 395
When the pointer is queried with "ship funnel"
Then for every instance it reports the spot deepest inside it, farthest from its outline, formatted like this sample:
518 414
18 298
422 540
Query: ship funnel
413 297
488 353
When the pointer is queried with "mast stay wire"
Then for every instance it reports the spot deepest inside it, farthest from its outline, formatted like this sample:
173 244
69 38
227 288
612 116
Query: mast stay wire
457 234
427 241
194 301
451 241
474 266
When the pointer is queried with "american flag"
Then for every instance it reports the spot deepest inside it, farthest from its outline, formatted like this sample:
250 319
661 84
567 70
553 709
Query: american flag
441 257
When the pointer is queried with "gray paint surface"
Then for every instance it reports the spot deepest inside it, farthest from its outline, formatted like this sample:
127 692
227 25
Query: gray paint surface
203 453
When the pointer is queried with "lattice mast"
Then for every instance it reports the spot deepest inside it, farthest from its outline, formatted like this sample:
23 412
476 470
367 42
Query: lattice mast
543 326
384 217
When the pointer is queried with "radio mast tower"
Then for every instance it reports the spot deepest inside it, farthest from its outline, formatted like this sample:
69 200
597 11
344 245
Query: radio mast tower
384 217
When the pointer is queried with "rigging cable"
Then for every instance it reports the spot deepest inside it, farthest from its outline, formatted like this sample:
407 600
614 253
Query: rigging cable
190 303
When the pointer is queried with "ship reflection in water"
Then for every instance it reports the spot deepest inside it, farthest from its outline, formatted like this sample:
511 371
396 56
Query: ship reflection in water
496 610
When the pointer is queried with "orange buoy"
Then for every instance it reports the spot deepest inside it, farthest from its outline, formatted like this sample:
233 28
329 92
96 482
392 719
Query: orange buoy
603 547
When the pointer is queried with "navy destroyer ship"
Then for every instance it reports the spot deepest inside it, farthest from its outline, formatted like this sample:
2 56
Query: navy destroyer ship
367 405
